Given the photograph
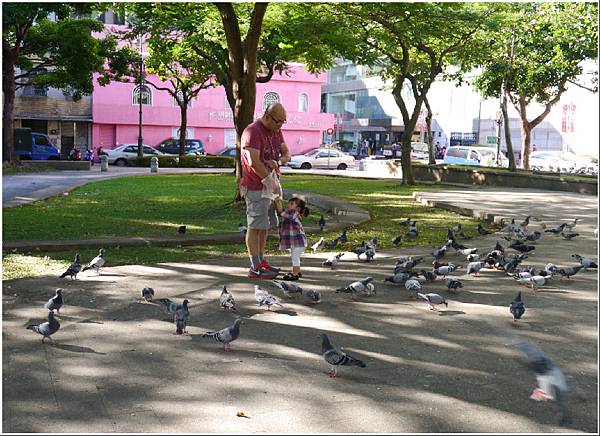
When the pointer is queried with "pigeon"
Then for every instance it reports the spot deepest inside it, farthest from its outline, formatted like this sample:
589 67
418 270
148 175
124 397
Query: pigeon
412 233
398 278
330 245
586 262
337 358
568 235
473 257
571 224
412 286
517 307
556 230
226 335
290 290
181 230
333 260
456 245
569 271
56 302
361 249
317 244
511 227
180 312
147 294
73 269
396 240
430 276
226 300
322 223
242 229
474 267
360 289
457 228
407 264
550 269
552 383
499 247
405 222
433 300
533 236
343 237
533 282
453 284
520 275
444 270
440 252
525 222
482 230
312 297
369 254
96 262
46 329
263 298
523 248
467 251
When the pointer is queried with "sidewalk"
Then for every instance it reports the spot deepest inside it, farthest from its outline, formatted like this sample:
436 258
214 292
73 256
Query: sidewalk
118 368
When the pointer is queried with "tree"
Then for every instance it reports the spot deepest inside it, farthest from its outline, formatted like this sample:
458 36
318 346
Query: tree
536 55
39 51
408 42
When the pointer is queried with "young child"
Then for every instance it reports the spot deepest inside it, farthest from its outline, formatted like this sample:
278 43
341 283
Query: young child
291 232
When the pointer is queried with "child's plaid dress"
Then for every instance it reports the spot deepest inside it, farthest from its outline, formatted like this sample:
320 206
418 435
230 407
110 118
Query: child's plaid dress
291 233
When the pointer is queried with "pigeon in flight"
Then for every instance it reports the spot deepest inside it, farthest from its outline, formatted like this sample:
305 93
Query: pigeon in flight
343 237
482 230
46 329
330 245
569 271
147 294
97 262
181 230
397 240
73 269
556 230
474 268
226 335
290 290
337 358
517 307
453 284
317 244
433 300
312 297
360 289
180 311
568 235
322 223
333 260
226 300
56 302
585 261
263 298
552 383
242 229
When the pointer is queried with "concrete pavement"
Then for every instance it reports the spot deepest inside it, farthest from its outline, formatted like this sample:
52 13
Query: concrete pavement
118 368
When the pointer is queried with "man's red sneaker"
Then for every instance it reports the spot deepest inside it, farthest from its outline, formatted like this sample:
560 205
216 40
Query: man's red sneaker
265 265
261 273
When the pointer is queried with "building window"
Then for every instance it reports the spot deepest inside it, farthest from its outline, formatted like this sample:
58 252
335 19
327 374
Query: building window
303 103
36 90
269 99
146 95
180 95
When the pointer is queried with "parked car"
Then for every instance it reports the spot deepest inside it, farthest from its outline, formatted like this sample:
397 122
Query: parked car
171 146
34 146
227 151
561 161
322 158
419 151
473 155
127 153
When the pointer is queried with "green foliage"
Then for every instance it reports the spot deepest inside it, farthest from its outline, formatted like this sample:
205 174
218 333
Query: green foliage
188 161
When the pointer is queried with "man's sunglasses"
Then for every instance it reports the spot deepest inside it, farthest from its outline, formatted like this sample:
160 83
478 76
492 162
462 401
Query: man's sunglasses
278 122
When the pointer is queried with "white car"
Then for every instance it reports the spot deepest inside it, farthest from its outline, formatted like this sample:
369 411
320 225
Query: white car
127 153
419 151
322 158
560 161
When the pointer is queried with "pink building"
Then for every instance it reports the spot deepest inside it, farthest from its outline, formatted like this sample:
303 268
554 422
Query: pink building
115 113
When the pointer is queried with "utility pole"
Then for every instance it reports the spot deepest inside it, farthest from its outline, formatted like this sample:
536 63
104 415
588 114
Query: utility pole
140 151
499 119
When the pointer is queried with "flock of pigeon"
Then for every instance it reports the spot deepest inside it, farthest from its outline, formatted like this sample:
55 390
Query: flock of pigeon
551 381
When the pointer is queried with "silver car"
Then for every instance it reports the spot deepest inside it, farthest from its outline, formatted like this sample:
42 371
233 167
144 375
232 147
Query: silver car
127 153
322 158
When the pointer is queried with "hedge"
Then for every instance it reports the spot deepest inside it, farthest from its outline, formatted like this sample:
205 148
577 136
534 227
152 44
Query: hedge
190 161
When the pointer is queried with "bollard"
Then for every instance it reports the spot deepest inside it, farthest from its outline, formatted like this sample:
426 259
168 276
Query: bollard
103 163
154 164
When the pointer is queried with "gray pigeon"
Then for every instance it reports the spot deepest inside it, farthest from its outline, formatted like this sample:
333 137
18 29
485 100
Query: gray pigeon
226 300
290 290
396 240
473 257
467 251
482 230
343 237
398 278
571 224
263 298
312 297
180 312
453 284
474 268
360 289
56 302
226 335
444 270
556 230
333 260
517 307
147 294
552 383
585 261
337 358
533 236
73 269
569 271
439 252
46 329
330 245
96 262
533 282
433 300
568 235
430 276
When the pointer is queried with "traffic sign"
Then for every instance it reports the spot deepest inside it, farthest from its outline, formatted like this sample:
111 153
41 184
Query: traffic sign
330 131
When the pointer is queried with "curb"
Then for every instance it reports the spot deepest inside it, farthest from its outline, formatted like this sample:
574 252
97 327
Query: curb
475 213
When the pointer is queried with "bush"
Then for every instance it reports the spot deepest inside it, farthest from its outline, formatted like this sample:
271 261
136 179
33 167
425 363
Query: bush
190 161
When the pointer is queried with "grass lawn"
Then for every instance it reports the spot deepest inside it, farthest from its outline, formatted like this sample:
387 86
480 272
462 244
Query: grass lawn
155 206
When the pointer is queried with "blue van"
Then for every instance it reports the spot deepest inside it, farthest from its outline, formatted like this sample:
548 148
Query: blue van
34 146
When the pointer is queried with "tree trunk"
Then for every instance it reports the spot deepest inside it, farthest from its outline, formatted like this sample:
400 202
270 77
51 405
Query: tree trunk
8 122
428 119
509 147
243 115
183 128
526 128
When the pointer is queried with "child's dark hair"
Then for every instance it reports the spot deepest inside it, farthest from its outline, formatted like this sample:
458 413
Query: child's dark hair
304 211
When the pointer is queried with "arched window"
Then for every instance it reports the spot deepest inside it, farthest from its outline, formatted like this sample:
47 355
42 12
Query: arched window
303 102
269 99
180 95
146 95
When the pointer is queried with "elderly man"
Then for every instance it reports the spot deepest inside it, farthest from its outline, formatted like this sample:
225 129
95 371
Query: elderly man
263 151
